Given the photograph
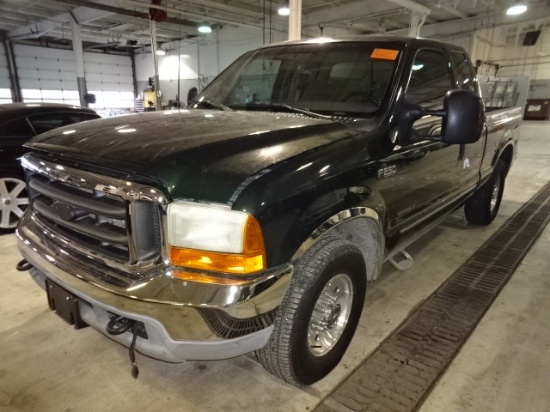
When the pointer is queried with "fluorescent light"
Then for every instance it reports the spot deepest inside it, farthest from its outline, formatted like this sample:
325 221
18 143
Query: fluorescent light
283 11
160 52
205 28
516 9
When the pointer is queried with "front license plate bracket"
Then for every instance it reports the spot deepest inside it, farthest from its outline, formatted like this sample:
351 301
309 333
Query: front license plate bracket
65 304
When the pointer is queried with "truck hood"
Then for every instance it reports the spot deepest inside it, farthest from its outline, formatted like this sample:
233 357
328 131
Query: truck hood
195 154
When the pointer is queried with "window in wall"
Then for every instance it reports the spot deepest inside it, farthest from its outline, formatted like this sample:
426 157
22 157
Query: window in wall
466 76
430 79
112 100
51 96
5 96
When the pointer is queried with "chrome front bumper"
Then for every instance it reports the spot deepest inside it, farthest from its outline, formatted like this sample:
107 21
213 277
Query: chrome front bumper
172 310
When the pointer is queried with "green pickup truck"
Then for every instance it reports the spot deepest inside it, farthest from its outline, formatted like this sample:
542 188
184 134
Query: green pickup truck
253 220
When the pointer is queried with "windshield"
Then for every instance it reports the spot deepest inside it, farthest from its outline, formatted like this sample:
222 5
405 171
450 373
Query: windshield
334 79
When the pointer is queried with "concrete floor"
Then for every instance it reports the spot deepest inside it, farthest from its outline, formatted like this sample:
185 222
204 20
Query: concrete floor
46 365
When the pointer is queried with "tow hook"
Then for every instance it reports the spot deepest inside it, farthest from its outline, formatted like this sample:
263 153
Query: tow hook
118 325
23 266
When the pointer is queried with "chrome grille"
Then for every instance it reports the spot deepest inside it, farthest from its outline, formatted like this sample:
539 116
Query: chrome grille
97 220
112 220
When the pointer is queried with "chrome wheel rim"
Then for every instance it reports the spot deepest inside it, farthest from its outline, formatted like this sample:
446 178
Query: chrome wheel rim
495 193
13 201
330 315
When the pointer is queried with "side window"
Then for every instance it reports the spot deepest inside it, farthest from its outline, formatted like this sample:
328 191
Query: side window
17 128
44 122
465 74
71 118
430 79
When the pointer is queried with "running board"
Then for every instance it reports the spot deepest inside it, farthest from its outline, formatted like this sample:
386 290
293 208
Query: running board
402 260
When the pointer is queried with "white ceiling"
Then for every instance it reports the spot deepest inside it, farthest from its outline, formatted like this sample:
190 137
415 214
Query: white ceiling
123 24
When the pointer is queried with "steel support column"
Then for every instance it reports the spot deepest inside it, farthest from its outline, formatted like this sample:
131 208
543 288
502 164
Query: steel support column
79 61
153 24
12 70
295 20
416 22
134 76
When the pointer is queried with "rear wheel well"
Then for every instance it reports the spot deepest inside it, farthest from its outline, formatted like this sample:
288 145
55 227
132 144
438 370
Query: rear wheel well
506 156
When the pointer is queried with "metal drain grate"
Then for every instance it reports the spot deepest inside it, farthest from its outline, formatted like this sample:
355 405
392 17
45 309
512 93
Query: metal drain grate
400 373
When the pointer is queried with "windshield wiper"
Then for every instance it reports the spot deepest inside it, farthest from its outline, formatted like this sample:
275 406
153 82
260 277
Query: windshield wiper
211 105
288 108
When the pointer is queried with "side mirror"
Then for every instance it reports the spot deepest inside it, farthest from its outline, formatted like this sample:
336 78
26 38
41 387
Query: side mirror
463 117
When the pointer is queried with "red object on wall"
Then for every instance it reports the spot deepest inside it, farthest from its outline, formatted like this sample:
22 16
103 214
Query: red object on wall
156 14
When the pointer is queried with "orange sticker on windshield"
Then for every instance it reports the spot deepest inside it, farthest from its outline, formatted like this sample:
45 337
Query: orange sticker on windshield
384 54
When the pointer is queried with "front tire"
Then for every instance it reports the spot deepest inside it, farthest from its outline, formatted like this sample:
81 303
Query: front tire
482 208
13 200
319 314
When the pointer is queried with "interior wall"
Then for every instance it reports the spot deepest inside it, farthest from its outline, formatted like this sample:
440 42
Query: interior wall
199 60
503 46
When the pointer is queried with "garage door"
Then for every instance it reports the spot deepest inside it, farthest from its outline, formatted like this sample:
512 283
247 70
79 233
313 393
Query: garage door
5 93
49 75
109 78
46 75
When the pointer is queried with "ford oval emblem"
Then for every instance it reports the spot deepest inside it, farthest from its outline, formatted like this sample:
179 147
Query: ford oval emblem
64 211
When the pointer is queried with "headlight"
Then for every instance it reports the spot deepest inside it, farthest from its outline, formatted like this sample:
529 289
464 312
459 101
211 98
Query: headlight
214 238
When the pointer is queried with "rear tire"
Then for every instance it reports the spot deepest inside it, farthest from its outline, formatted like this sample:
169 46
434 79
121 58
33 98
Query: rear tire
482 207
13 200
319 313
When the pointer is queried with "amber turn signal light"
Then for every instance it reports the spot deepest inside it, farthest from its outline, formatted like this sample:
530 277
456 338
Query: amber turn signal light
251 260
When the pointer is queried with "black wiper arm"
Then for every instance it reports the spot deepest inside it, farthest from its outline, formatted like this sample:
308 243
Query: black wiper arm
212 105
291 109
302 111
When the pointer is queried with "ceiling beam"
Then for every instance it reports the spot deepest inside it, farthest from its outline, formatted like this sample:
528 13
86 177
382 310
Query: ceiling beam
39 28
106 6
356 10
412 5
210 5
451 10
336 15
200 17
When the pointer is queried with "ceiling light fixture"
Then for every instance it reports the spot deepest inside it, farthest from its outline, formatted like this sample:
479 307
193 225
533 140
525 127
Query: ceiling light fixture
160 52
516 9
283 11
205 28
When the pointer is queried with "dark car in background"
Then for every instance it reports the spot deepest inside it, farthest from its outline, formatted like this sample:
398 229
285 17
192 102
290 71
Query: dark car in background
18 123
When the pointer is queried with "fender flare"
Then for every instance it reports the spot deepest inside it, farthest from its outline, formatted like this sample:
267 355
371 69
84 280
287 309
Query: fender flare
359 225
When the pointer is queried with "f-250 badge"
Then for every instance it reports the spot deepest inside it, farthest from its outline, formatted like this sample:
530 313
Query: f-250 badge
386 172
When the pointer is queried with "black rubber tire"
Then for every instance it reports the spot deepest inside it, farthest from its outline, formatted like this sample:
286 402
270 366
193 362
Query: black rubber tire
12 192
479 209
287 354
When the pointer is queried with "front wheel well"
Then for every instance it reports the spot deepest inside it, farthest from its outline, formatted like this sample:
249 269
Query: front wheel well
364 232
